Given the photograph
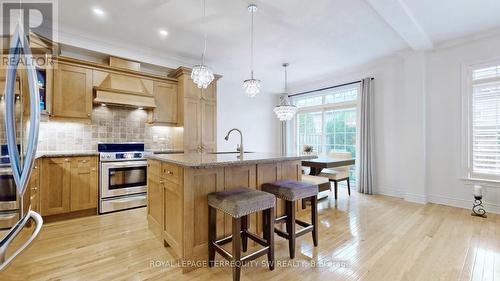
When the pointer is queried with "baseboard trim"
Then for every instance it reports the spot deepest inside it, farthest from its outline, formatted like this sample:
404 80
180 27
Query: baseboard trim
391 192
416 198
461 203
436 199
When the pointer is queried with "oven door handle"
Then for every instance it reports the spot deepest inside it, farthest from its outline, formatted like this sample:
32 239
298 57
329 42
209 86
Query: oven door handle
124 164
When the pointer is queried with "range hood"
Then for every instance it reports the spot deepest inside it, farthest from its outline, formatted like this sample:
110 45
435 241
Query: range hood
123 90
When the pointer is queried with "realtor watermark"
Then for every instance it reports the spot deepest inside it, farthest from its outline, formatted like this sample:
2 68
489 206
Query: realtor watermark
38 19
323 263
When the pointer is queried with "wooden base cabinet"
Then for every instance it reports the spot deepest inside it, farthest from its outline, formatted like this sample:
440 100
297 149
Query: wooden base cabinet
34 187
68 185
83 185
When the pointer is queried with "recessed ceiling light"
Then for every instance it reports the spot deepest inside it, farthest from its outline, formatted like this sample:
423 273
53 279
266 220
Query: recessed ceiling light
163 33
98 12
140 108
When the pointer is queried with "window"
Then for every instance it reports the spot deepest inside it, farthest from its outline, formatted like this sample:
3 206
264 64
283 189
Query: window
484 154
326 120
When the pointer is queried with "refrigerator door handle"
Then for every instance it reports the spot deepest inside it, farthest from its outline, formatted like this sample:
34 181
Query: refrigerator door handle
22 174
4 244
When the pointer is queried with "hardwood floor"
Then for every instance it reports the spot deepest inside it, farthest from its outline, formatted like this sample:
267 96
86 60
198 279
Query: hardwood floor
361 238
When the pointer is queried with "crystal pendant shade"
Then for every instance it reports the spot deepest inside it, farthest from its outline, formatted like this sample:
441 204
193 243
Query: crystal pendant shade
202 76
285 111
252 87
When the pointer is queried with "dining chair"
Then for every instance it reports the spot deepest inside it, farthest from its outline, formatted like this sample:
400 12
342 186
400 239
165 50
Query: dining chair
338 174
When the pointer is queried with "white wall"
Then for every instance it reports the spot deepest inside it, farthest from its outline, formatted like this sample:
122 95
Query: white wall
254 116
418 121
443 121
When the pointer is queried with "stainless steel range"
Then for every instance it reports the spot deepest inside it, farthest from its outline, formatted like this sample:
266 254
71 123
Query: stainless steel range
122 176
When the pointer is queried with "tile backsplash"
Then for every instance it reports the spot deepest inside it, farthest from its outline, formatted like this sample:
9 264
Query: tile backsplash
109 124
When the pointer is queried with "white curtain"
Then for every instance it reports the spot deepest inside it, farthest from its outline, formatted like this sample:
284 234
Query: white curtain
366 137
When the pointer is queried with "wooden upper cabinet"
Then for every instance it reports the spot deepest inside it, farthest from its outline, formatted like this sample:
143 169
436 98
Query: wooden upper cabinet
191 90
55 182
166 103
208 126
83 191
192 122
72 97
210 93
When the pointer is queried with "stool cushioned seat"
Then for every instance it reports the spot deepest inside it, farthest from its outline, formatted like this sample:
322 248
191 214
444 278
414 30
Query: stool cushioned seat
291 190
241 201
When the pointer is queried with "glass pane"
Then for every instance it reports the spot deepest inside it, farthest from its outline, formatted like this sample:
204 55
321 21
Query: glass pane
309 131
308 101
344 94
484 73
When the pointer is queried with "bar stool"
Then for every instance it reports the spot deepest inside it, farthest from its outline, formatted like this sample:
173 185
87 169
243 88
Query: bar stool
291 191
239 203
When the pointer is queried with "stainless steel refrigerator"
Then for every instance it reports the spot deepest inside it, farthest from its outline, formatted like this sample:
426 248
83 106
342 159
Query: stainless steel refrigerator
20 119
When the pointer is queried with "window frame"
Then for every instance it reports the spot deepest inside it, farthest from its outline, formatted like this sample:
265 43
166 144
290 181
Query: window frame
323 108
467 124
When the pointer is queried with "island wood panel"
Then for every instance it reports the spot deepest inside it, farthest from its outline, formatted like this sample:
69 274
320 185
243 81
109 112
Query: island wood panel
172 216
267 173
155 203
198 183
292 170
239 176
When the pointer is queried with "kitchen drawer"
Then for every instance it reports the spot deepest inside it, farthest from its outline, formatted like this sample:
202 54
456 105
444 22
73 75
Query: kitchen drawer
171 172
154 168
84 161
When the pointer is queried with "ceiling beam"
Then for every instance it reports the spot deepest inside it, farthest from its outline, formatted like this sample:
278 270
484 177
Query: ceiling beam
398 16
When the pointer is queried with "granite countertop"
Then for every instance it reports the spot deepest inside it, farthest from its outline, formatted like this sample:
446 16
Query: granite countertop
41 154
207 160
165 151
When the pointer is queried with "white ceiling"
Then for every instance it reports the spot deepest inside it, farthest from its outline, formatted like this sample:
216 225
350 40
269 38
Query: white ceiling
316 37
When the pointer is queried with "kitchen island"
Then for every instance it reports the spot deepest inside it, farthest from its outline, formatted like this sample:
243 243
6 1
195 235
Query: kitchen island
178 185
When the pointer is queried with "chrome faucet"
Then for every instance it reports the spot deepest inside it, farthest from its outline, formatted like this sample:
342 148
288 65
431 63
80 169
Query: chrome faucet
240 146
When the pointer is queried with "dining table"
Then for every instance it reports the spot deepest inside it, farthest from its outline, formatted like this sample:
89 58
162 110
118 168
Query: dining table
324 162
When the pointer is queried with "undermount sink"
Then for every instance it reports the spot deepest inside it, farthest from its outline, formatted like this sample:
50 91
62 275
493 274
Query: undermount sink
229 152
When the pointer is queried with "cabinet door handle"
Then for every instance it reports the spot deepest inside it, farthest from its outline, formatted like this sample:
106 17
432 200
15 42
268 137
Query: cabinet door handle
93 169
84 161
34 188
66 160
170 172
161 182
88 114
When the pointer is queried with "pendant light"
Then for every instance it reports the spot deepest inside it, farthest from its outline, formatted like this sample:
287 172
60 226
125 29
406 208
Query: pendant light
202 74
285 110
251 86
